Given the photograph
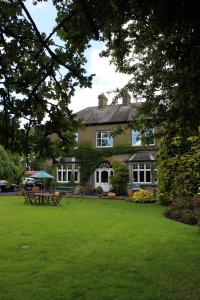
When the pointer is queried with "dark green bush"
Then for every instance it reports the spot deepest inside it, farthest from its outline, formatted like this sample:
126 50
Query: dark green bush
178 165
99 190
120 178
184 208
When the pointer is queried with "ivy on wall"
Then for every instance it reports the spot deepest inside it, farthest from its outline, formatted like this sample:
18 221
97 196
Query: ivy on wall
90 157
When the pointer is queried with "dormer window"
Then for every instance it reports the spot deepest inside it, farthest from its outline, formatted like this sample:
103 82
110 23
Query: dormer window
104 139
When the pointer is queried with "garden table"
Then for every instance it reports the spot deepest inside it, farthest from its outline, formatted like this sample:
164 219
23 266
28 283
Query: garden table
42 197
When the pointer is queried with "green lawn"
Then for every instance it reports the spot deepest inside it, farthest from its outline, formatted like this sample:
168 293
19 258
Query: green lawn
95 249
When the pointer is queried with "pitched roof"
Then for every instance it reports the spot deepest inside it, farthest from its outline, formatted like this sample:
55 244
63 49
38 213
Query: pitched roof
142 156
109 114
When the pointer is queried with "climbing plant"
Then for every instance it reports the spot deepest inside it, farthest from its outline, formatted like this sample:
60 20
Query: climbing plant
90 157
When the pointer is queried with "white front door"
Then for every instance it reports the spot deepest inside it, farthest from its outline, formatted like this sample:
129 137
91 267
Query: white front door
102 178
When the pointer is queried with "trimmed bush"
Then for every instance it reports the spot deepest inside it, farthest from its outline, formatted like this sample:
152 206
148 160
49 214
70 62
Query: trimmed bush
99 190
143 196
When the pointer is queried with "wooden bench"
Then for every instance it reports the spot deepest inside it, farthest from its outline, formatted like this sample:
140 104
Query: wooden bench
64 188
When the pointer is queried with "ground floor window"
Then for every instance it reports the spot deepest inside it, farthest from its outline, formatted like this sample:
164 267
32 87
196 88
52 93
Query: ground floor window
142 173
66 173
76 173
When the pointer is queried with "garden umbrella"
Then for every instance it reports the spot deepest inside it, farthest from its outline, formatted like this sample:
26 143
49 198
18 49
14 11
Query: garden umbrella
42 175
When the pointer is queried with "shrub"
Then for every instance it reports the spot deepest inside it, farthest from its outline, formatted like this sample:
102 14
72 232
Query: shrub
82 190
178 164
120 178
184 208
143 196
99 190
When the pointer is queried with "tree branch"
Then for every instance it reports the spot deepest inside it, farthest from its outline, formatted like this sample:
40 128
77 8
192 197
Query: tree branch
45 45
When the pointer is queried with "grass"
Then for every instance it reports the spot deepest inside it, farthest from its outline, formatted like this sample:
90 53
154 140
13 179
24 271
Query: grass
95 249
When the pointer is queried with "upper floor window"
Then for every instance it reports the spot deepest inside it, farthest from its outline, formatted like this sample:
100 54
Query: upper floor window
76 137
149 136
136 138
104 139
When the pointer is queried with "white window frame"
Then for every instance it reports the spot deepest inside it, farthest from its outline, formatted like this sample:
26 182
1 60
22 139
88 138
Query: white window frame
134 132
109 139
139 169
76 136
151 130
68 170
62 171
155 175
77 171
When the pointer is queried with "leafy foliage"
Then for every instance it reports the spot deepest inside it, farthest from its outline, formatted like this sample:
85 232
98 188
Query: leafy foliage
10 166
120 178
99 190
142 196
90 158
150 40
179 165
157 43
33 92
184 208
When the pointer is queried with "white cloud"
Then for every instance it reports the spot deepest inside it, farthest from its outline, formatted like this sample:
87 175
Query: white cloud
106 79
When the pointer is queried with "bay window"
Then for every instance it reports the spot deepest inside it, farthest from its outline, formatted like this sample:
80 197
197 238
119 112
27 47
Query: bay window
142 173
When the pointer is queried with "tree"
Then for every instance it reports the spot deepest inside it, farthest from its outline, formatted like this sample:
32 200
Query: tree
34 95
11 167
157 42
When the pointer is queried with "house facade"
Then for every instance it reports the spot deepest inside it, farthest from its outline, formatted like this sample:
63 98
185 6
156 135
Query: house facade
99 123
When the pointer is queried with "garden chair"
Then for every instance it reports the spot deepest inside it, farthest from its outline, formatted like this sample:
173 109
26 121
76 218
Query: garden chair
28 197
56 197
35 189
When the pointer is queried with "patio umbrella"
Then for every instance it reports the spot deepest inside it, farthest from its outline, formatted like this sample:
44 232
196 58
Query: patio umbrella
42 175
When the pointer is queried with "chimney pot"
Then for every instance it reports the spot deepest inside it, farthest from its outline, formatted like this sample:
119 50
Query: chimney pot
126 100
103 100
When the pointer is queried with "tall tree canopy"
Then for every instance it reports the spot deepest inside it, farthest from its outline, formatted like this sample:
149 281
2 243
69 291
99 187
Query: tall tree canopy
157 42
34 93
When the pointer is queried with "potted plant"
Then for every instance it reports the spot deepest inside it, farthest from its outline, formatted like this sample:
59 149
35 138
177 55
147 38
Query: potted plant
99 191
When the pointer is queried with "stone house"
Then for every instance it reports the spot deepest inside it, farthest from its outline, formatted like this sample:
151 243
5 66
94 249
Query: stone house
98 123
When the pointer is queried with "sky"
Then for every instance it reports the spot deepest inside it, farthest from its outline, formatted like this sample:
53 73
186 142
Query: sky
106 79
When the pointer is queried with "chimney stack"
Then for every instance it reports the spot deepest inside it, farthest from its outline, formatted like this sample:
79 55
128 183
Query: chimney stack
126 100
103 100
